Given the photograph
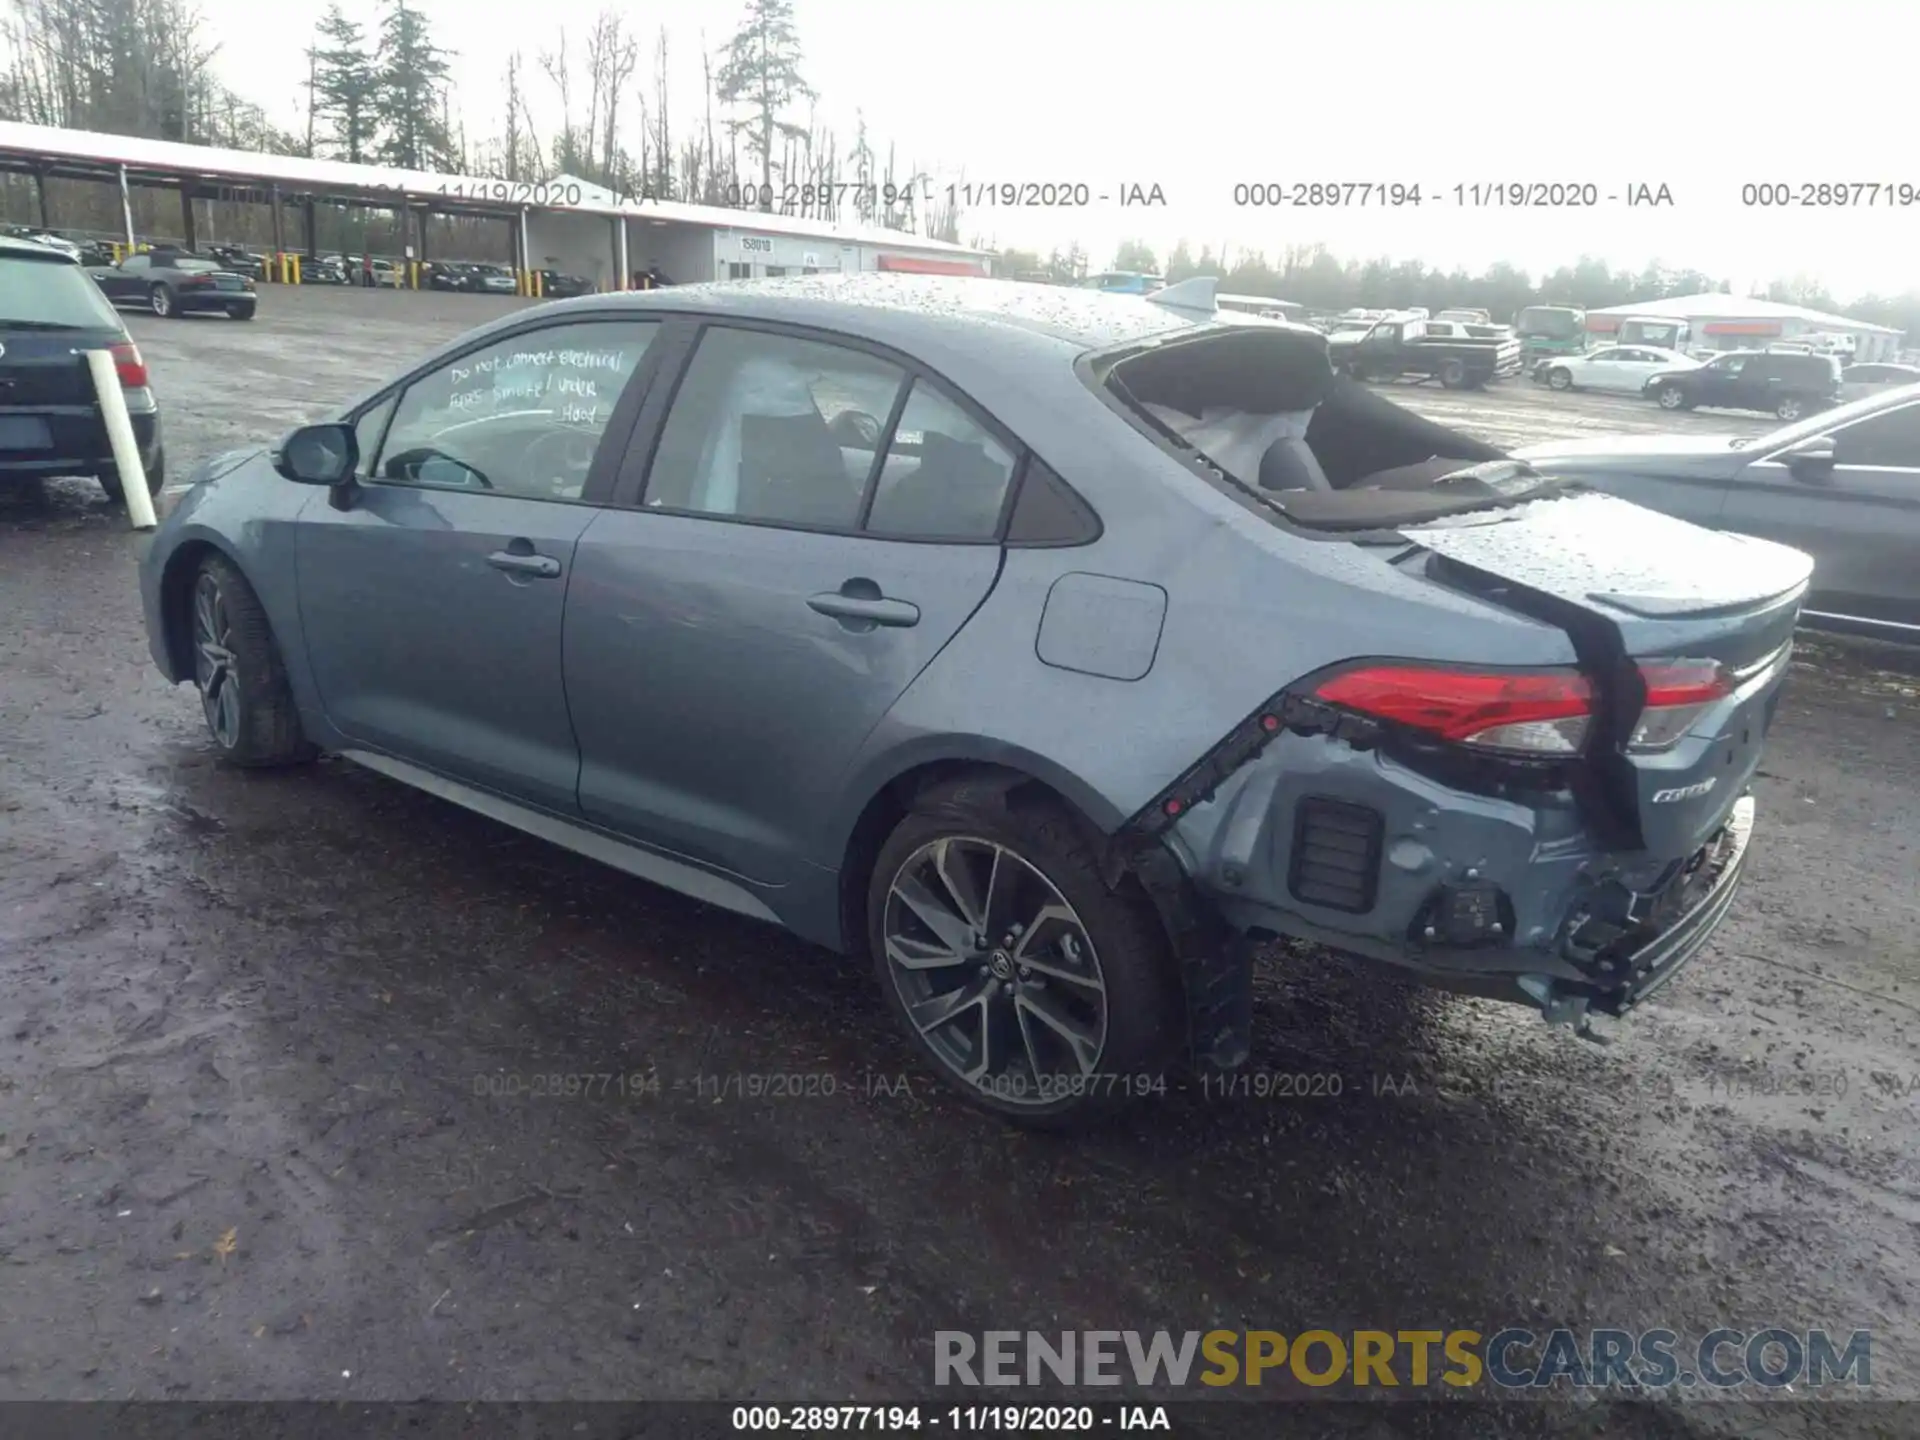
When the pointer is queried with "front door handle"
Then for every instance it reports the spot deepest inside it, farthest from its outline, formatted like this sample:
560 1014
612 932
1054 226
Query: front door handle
865 610
544 567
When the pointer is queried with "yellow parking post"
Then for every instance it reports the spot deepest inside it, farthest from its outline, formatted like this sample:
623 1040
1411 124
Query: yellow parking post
539 285
296 269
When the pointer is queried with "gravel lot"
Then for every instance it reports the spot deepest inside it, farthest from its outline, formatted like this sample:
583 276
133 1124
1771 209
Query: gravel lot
247 1148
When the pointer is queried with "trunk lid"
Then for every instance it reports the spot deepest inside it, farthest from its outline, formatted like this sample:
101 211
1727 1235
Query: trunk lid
1635 589
47 407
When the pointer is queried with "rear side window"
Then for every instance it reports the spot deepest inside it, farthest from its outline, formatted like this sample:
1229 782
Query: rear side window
51 295
944 476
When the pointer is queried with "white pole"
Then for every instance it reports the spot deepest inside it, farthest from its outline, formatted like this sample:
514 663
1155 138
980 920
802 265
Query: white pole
621 279
126 450
126 208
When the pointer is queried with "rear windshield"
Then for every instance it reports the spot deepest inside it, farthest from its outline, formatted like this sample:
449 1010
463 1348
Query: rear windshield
51 294
193 265
1549 324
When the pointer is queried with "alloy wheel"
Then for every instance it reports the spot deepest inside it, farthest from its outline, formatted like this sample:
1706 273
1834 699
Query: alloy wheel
1670 398
214 672
162 301
996 971
1788 410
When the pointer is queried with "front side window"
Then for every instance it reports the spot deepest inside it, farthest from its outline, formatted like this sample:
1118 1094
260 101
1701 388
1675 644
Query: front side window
1729 364
774 428
1890 438
522 416
137 262
944 477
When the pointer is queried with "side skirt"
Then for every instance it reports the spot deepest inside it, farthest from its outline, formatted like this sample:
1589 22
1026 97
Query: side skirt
648 865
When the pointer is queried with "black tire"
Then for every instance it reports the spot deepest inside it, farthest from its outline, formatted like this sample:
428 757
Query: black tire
156 477
1670 397
1453 374
265 725
160 301
1560 378
1141 1007
241 312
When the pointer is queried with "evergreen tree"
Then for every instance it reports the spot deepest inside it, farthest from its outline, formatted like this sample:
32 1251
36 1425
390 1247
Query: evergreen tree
761 72
409 75
344 88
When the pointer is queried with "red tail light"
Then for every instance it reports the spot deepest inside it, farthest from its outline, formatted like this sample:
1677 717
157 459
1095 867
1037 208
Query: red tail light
130 367
1541 712
1679 692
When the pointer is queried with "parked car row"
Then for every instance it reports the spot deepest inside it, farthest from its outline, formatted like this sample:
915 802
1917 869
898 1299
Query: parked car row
1784 382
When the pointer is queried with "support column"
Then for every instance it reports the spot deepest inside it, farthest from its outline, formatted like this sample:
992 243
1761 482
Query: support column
623 277
126 209
310 219
40 191
186 215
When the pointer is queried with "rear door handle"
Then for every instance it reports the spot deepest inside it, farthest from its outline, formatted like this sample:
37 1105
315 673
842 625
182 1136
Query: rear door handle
874 610
544 567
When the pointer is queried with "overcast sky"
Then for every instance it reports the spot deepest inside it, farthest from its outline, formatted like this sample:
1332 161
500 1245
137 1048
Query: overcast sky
1197 96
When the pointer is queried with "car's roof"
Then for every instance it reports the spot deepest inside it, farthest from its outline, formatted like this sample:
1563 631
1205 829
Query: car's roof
32 250
947 308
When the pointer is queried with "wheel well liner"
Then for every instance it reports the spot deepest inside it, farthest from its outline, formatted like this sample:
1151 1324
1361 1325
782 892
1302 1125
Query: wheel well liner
176 601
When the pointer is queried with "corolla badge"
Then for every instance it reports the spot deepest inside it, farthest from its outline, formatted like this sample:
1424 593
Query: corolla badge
1683 792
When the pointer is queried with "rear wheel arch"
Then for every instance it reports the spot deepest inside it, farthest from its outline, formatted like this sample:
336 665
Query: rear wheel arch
911 788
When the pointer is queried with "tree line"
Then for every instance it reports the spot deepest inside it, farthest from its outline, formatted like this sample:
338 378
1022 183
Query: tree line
1314 277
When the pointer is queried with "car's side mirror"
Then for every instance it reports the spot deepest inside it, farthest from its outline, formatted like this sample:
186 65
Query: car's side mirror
318 455
1811 459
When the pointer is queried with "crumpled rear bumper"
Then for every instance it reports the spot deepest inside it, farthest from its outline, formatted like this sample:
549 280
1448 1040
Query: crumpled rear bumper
1511 898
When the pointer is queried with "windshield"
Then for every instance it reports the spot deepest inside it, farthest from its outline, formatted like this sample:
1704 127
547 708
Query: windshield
51 293
1820 424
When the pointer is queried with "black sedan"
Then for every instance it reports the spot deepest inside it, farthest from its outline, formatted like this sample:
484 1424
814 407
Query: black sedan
240 262
555 285
446 275
175 282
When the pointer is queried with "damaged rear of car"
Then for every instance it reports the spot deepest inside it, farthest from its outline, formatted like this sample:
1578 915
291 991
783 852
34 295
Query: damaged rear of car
1540 794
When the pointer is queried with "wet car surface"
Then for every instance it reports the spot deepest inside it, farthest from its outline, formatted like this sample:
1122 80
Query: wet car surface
275 1123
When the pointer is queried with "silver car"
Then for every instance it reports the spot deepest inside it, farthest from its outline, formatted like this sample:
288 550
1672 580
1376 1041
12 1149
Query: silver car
1048 648
1844 486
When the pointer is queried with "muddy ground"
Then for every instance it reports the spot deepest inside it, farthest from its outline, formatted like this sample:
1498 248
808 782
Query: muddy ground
259 1032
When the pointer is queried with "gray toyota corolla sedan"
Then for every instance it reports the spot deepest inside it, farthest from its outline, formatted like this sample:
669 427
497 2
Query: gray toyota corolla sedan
1050 648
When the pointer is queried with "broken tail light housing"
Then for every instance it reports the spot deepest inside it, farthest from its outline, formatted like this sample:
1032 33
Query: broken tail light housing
1545 714
1679 692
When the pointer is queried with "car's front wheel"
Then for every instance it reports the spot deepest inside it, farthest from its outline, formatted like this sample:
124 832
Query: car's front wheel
238 671
1027 982
1670 398
1560 378
1790 408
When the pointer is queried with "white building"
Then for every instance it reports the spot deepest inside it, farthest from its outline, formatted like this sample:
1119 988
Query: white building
562 224
1740 322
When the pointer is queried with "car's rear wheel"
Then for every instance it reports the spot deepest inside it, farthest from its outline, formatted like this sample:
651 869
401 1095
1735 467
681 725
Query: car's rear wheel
1453 374
1560 378
237 669
240 312
1027 982
1670 398
160 300
1790 408
116 492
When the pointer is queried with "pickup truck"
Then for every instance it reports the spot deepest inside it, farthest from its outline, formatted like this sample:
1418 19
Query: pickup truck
1401 346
